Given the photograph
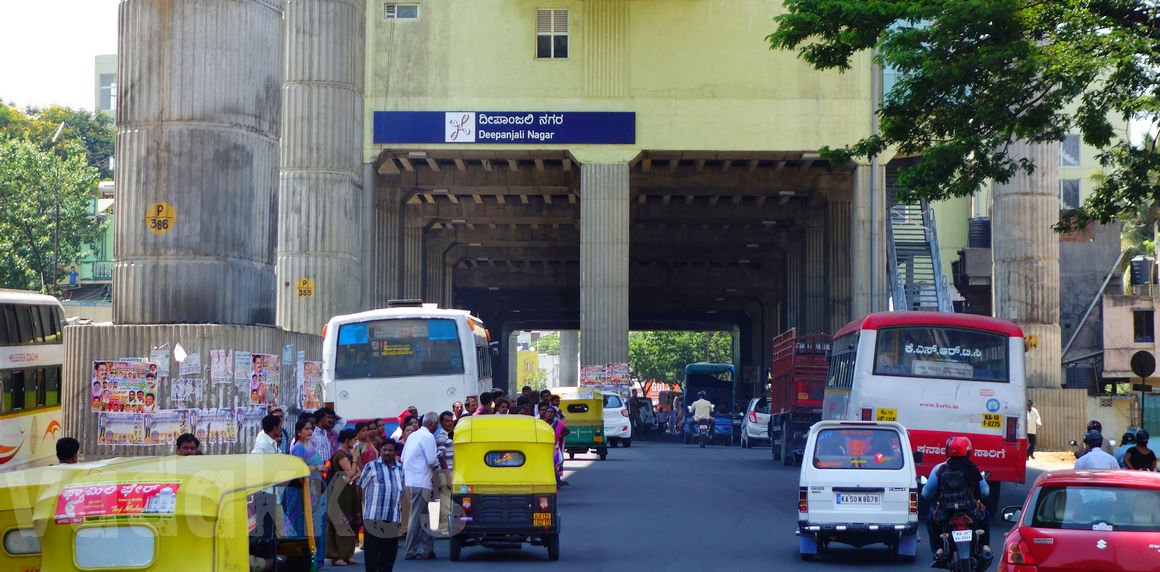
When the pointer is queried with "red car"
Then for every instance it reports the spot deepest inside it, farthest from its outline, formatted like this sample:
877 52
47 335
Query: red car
1104 521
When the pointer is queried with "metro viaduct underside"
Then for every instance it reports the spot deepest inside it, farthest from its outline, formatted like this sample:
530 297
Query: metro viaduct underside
748 242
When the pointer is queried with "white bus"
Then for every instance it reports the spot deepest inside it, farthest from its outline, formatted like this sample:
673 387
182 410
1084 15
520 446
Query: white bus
377 363
31 355
939 375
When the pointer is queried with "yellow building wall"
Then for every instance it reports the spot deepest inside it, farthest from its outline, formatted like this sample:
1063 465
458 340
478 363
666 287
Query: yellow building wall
528 362
698 73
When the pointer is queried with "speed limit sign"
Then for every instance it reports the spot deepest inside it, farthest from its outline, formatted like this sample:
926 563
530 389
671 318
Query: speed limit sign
160 217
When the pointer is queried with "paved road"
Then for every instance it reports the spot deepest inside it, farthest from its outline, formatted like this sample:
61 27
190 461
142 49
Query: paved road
668 506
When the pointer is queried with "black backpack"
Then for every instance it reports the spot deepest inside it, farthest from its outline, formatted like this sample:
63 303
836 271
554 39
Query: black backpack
954 491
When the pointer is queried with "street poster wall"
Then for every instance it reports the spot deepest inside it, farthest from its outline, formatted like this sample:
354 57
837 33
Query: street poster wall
264 369
121 386
310 385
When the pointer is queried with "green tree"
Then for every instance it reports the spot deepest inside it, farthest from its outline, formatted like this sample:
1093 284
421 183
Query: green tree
34 184
549 343
663 355
976 75
94 130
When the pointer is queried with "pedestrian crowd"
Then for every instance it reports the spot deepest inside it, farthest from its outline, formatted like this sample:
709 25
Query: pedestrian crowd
364 480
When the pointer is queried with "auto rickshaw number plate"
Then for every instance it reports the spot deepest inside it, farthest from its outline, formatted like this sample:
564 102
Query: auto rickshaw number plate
543 519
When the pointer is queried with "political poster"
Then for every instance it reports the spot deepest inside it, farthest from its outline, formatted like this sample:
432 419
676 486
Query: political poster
250 418
191 365
241 367
221 366
264 370
163 427
160 356
186 392
216 425
123 386
120 428
310 385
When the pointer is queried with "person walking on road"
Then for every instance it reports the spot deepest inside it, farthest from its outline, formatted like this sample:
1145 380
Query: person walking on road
1034 422
419 463
343 520
382 513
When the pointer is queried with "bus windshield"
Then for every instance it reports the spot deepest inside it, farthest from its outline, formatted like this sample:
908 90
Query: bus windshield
942 353
402 347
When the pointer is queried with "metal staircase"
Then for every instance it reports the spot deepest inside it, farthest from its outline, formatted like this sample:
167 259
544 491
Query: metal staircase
916 276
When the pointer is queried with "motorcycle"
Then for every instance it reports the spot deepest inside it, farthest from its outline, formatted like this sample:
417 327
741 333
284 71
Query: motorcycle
962 544
703 431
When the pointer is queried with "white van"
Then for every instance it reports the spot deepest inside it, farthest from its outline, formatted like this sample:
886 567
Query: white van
858 486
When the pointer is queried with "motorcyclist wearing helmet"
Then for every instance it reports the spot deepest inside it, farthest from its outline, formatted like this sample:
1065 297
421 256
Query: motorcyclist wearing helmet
1140 457
955 484
1128 441
1095 457
702 408
1093 425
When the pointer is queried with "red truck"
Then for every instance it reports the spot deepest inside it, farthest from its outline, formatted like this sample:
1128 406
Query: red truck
797 383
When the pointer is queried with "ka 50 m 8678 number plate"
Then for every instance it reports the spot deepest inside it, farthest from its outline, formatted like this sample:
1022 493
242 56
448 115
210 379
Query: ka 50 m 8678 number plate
846 498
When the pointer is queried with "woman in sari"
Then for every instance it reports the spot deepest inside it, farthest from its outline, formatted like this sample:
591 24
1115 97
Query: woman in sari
548 414
364 447
342 498
303 429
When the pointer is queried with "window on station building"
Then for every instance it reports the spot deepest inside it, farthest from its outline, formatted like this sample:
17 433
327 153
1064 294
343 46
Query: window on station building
1069 151
551 34
108 92
1068 194
396 11
1143 326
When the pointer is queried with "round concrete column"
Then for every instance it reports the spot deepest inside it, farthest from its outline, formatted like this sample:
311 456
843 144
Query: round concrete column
198 105
321 206
1026 255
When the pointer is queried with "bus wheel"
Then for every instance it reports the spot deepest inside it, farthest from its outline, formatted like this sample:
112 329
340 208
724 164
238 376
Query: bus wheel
571 455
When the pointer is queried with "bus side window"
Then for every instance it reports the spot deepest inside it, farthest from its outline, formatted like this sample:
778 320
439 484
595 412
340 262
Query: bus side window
8 332
49 324
13 388
33 384
24 332
51 393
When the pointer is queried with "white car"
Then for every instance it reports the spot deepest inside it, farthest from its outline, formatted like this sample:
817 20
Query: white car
858 487
617 428
755 424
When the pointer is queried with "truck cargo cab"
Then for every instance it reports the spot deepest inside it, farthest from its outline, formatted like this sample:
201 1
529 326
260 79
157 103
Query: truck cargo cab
858 486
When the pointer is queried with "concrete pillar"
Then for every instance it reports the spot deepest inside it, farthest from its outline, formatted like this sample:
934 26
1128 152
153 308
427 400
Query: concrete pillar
604 268
569 358
412 258
433 270
1026 255
513 360
794 279
861 244
815 304
197 139
838 262
320 195
386 229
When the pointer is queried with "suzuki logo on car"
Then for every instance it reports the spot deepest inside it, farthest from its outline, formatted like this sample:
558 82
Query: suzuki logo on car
1101 544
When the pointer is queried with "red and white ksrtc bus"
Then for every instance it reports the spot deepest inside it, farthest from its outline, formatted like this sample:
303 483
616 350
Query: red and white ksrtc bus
940 375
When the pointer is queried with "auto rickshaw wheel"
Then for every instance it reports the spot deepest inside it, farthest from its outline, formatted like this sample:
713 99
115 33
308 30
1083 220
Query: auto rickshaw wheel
552 541
456 548
603 454
571 455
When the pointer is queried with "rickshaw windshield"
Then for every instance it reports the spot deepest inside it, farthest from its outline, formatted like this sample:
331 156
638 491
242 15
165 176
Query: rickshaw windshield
277 521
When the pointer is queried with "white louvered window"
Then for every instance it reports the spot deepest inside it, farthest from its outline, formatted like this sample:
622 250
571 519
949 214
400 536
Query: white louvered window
1069 151
396 11
1068 194
551 33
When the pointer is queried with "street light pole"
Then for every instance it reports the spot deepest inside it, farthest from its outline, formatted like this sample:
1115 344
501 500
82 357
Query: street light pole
56 238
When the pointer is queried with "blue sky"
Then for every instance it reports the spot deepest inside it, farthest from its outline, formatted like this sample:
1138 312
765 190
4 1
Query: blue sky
49 47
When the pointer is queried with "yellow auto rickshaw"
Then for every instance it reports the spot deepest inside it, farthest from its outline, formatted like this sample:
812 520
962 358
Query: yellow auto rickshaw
19 492
195 513
503 484
583 409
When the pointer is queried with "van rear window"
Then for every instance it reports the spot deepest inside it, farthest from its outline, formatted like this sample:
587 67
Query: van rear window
858 448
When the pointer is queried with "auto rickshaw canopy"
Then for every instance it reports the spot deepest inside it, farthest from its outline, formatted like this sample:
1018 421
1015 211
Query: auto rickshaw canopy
593 398
503 450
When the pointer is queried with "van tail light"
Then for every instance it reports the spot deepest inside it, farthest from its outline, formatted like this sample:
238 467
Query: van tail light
803 501
914 501
1012 429
624 412
1017 551
867 414
753 417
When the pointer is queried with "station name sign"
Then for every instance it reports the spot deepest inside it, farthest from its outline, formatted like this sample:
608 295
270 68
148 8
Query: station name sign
506 127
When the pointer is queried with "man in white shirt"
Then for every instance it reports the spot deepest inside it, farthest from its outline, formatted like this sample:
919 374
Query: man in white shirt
419 462
266 442
1096 457
1034 422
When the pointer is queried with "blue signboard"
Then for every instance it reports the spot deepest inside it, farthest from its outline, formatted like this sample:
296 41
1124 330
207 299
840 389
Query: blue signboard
506 127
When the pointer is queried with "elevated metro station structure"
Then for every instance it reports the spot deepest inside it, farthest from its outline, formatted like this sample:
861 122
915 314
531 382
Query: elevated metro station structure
598 165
